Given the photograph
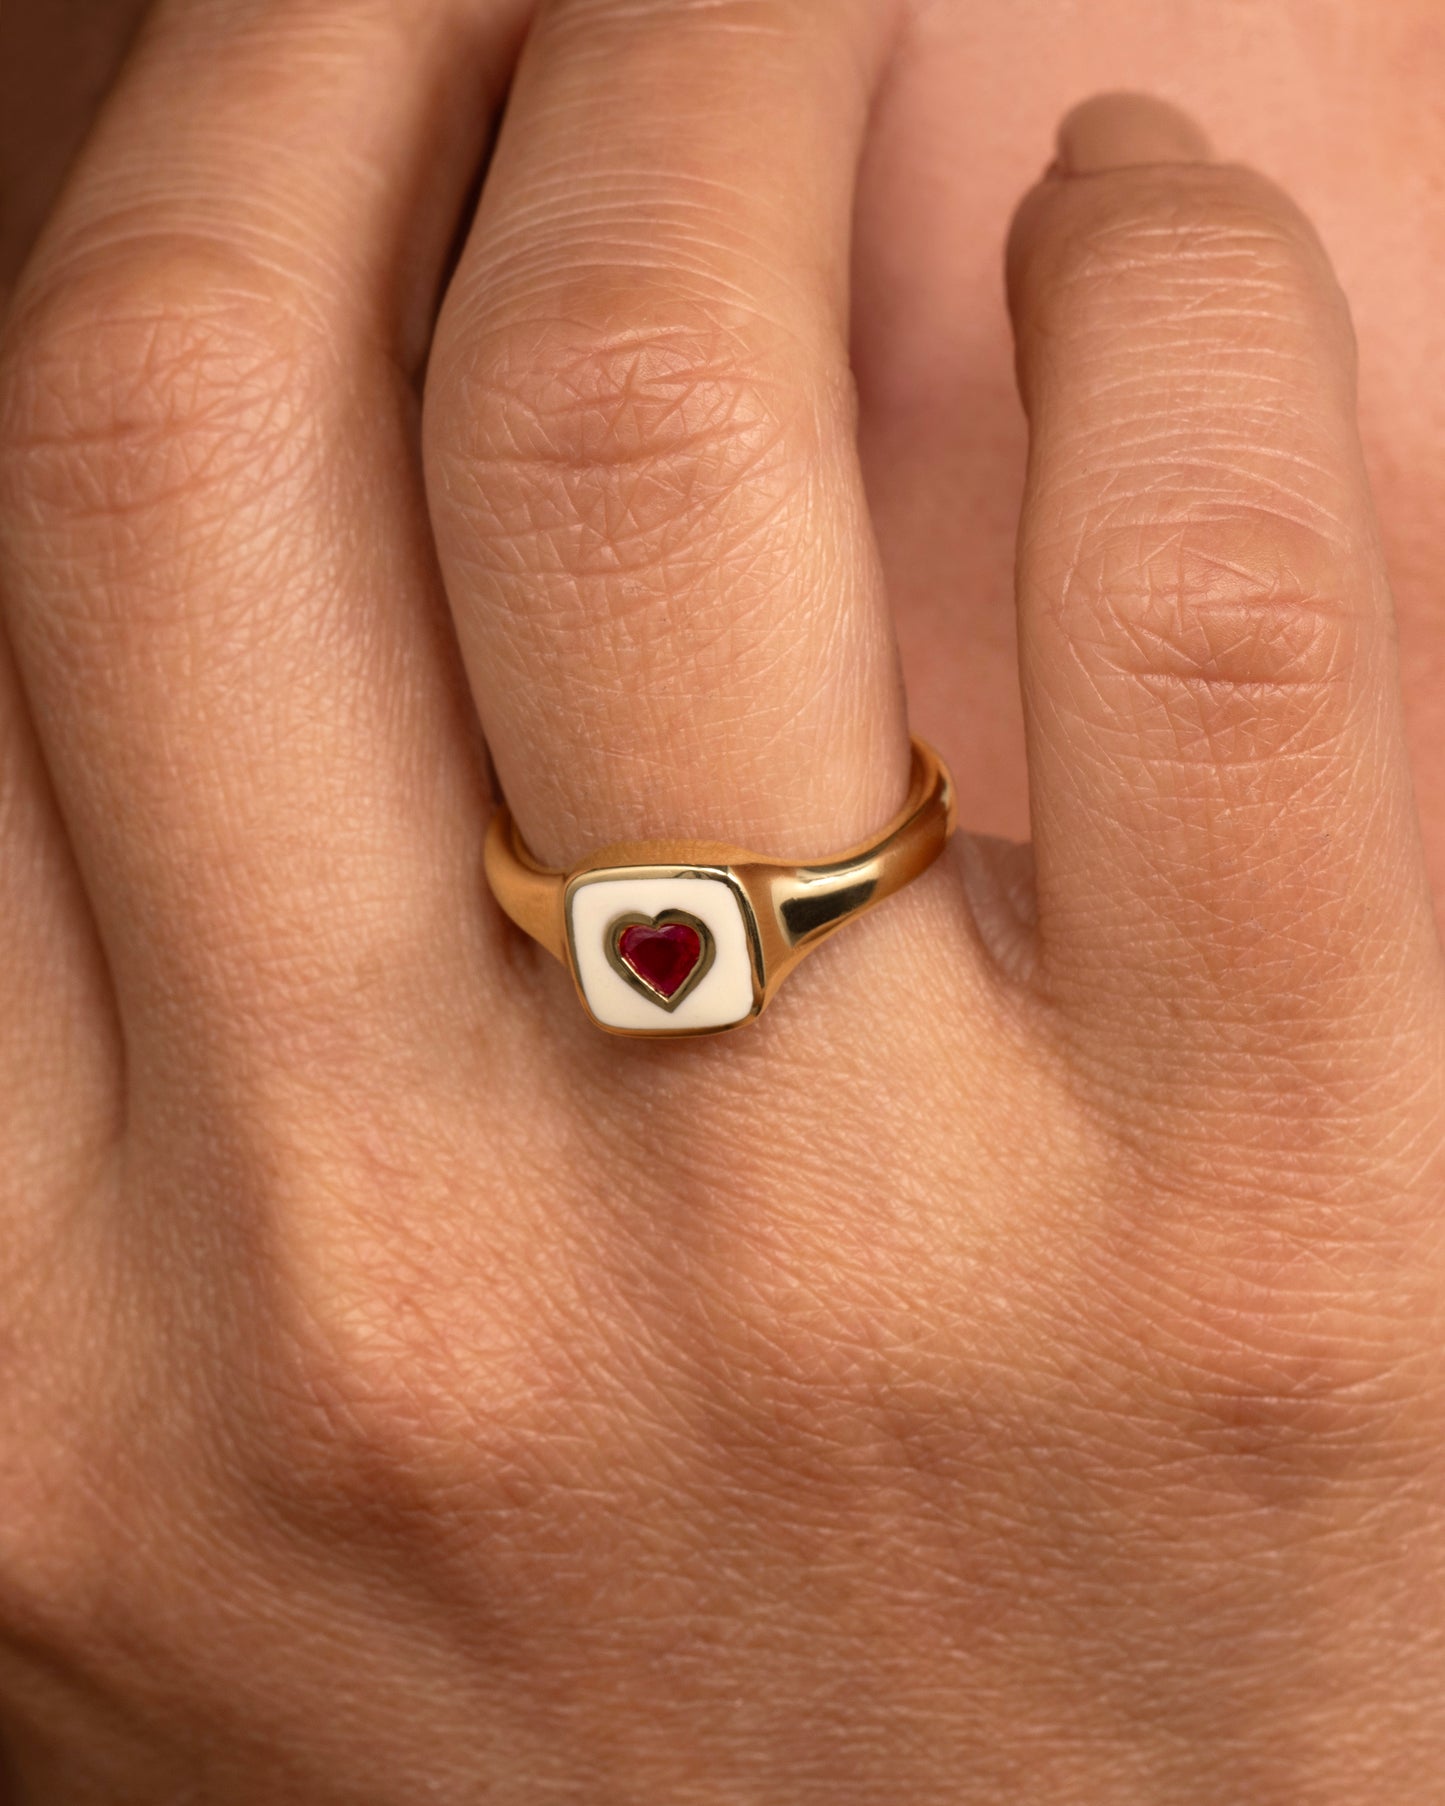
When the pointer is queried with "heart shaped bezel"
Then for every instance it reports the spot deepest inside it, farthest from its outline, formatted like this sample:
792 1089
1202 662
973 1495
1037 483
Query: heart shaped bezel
667 918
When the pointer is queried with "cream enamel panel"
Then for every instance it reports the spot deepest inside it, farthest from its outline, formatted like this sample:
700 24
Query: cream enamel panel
723 996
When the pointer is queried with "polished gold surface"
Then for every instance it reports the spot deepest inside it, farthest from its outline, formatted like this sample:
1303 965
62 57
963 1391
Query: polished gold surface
791 907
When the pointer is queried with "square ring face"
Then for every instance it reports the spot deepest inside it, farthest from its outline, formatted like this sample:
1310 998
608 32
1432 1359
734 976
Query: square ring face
663 950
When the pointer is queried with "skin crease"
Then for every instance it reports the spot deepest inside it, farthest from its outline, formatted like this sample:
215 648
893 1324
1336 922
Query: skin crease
1340 103
1116 1486
1338 100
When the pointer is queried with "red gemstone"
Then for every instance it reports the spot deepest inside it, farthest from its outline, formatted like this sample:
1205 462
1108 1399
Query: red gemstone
661 957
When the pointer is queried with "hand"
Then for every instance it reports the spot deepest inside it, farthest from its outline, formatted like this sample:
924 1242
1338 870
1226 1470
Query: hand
1007 1372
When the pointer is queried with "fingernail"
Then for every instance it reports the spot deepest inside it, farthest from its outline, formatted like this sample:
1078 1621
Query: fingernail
1117 131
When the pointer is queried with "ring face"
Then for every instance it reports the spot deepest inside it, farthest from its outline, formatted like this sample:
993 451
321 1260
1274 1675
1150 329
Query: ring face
664 950
678 936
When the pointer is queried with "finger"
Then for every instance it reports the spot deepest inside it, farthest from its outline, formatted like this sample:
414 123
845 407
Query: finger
1225 834
640 438
218 572
60 1052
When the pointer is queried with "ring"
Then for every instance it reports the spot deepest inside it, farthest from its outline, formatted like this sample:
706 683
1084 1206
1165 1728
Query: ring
684 937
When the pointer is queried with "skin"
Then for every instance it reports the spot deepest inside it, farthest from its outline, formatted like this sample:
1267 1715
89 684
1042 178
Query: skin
1012 1369
1333 98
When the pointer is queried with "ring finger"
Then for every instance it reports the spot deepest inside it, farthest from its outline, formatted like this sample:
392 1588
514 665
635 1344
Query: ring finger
640 435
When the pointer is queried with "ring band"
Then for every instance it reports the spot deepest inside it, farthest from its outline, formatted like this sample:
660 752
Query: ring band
685 937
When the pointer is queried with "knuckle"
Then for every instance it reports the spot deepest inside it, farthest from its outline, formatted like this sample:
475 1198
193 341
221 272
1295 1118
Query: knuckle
1198 544
375 1426
398 1386
1274 1337
358 1391
1284 1402
631 431
144 380
1226 641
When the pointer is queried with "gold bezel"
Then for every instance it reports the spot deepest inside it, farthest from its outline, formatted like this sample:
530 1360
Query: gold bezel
663 919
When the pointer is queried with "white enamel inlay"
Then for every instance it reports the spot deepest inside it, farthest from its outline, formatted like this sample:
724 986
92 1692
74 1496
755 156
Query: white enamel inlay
725 992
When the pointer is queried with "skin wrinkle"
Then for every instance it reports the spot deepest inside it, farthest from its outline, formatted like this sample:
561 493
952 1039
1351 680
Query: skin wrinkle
1211 435
1102 629
1246 482
615 1390
618 403
264 253
756 536
158 379
725 310
515 278
1142 415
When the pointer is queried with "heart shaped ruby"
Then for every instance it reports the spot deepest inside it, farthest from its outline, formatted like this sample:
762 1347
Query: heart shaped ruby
663 957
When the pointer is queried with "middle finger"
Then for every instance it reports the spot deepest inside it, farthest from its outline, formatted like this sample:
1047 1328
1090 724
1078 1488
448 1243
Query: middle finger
217 565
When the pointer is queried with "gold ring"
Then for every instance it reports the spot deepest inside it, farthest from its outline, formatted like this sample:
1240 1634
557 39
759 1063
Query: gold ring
685 937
